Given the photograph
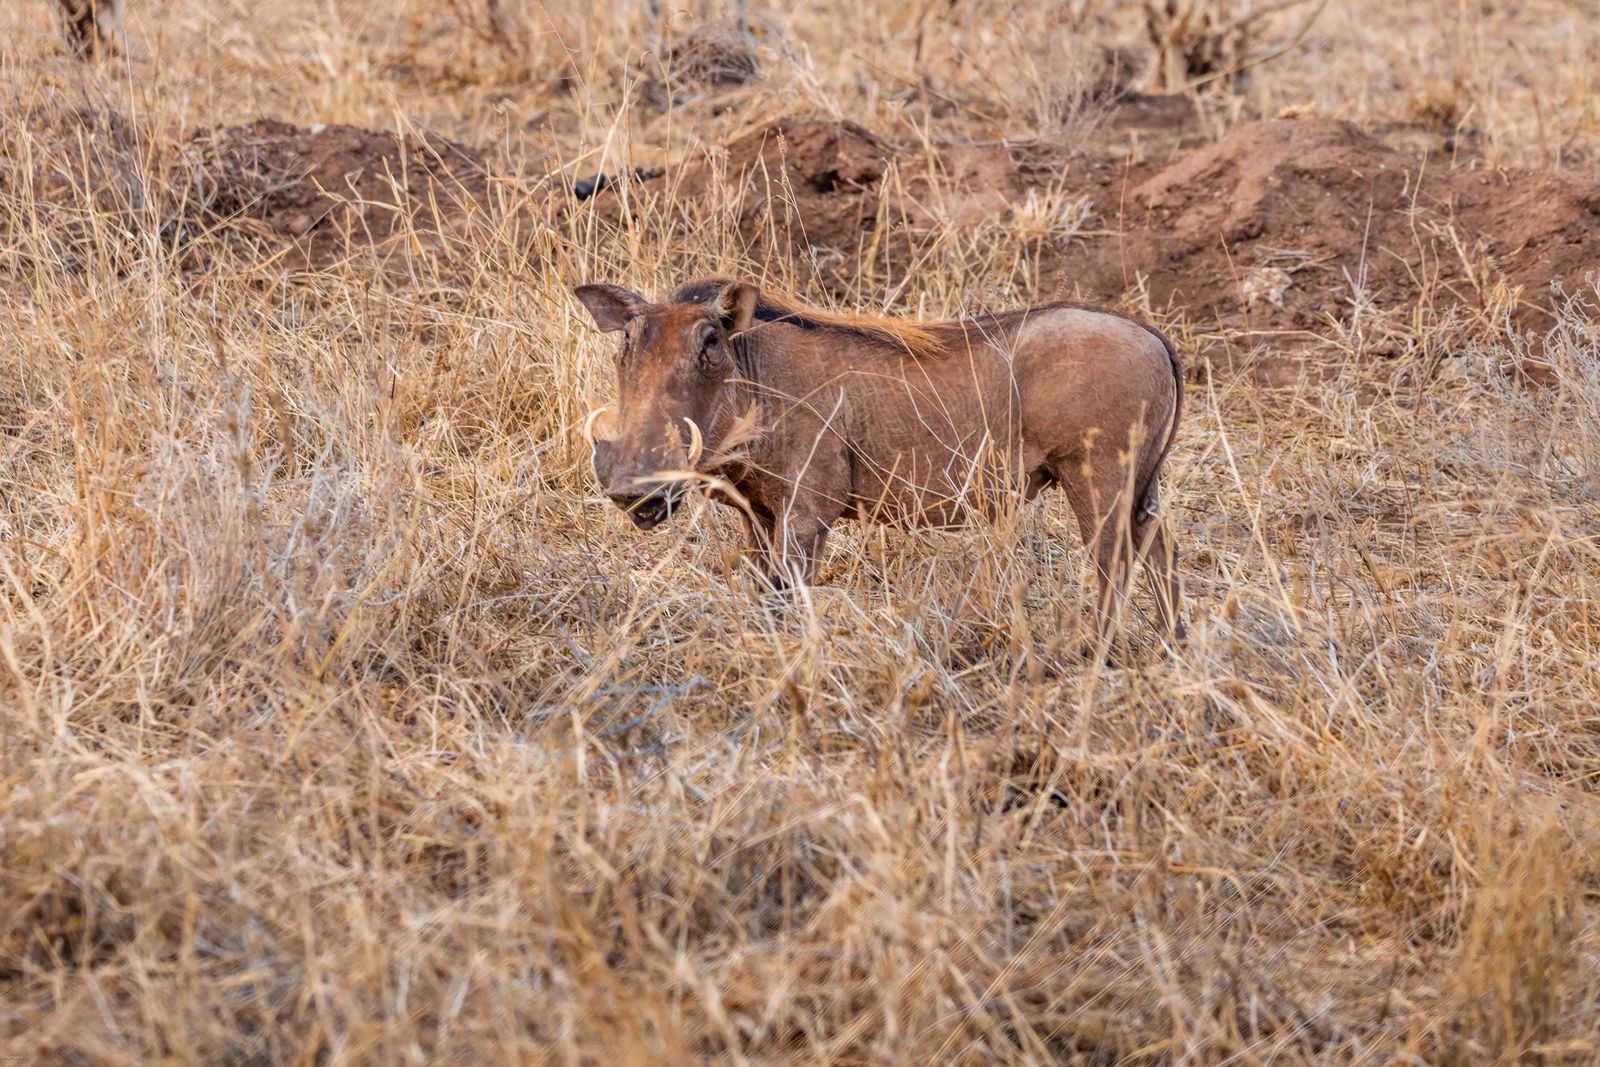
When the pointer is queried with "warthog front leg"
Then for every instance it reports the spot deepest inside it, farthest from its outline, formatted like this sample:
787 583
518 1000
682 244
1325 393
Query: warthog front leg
787 552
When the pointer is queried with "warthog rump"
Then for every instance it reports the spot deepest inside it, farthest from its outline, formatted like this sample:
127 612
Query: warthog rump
802 418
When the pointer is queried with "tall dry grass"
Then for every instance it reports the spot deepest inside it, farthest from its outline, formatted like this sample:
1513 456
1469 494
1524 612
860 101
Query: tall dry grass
340 721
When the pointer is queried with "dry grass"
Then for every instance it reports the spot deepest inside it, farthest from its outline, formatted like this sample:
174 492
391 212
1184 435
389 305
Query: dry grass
340 722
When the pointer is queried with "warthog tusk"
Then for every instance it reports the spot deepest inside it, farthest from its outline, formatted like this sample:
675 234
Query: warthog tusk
589 421
697 443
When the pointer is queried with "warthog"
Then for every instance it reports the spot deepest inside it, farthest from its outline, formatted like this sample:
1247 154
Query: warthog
802 418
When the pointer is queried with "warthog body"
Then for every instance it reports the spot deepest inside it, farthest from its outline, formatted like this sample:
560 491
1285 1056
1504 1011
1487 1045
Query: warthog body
810 418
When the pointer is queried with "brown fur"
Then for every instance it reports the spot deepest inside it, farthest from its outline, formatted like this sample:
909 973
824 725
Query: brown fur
888 421
915 339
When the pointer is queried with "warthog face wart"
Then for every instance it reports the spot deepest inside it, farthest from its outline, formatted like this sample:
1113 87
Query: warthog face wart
674 369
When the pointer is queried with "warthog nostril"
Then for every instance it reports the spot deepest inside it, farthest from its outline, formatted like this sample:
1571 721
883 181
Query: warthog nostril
647 510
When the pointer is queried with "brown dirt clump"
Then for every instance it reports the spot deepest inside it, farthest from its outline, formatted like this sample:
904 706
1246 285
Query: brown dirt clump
1288 224
1293 224
711 57
64 173
826 189
1316 200
807 180
1543 225
331 190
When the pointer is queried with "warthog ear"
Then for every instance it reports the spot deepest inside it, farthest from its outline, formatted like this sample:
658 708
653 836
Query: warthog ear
611 305
736 306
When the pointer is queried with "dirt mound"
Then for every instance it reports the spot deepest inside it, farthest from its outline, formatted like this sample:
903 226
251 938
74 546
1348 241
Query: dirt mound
798 179
821 157
1312 180
1281 219
329 190
66 169
1289 224
820 189
1283 227
1541 225
710 57
306 197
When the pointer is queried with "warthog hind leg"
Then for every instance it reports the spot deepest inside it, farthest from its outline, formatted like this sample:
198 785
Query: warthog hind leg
1100 501
1118 536
1161 564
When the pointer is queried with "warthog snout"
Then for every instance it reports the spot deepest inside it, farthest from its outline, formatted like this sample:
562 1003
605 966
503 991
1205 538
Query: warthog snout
647 508
628 472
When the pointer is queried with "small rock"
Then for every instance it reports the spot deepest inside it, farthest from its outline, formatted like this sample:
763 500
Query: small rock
1266 284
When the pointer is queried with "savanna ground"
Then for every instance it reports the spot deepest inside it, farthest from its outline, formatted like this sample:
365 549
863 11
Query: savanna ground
341 721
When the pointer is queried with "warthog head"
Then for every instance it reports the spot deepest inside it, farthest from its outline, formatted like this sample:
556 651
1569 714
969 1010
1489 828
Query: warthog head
674 373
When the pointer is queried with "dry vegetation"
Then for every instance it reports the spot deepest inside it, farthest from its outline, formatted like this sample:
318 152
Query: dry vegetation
341 722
